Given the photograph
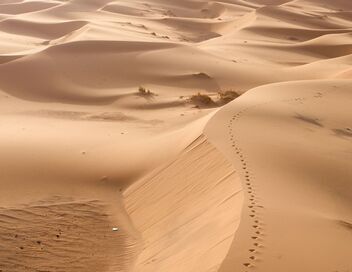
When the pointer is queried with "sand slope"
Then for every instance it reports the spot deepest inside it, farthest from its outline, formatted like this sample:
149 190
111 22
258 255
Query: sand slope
292 142
187 211
82 151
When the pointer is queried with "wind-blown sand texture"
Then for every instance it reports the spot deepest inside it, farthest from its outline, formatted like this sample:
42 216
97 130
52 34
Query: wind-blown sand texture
96 175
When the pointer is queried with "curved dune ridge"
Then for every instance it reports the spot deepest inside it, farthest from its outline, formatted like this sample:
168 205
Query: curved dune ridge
40 30
16 8
112 160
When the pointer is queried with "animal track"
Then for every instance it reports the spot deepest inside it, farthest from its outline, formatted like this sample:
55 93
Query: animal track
255 209
251 191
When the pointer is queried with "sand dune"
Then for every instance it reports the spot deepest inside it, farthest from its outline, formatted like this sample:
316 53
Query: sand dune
302 190
24 7
40 30
194 217
110 163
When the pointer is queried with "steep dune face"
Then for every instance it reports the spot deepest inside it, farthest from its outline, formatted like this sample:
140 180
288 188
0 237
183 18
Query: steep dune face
108 167
187 211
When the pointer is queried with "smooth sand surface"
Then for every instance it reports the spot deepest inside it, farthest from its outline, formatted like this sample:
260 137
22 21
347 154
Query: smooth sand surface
97 176
296 168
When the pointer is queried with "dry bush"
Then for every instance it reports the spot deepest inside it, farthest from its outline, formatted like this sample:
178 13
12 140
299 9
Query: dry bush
227 96
144 92
202 100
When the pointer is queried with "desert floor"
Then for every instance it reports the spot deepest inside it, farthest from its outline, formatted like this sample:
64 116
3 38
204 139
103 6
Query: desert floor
98 175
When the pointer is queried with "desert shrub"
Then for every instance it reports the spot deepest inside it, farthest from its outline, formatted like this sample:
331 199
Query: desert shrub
227 96
202 100
144 92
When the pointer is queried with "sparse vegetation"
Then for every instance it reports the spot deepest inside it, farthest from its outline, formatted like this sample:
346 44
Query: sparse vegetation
145 92
219 99
227 96
202 100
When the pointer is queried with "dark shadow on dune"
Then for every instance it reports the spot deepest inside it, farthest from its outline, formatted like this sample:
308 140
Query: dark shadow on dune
347 132
345 224
309 120
158 105
9 58
87 116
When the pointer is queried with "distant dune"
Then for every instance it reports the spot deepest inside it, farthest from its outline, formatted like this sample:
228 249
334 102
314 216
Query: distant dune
118 152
